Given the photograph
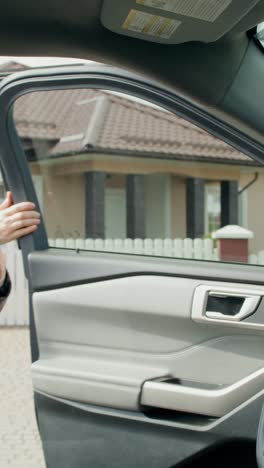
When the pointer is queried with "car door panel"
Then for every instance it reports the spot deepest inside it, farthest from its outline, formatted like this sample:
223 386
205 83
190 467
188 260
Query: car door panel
99 342
102 370
124 374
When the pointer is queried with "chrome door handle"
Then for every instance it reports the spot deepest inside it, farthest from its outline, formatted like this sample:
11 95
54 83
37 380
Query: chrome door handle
249 304
216 304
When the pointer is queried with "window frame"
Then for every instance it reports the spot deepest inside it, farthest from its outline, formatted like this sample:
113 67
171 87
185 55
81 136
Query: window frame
14 164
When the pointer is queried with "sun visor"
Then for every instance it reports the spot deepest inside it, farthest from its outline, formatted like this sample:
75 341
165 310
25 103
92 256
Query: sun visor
174 21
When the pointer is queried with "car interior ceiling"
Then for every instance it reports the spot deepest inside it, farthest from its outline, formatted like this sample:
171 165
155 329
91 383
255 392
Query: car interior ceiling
216 75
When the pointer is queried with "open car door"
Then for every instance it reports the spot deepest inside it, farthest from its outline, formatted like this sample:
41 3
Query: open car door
146 350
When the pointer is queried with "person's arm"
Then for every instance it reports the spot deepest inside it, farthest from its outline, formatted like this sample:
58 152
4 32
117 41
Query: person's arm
15 221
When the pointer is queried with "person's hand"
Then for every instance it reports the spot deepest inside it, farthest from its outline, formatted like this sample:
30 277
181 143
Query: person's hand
17 220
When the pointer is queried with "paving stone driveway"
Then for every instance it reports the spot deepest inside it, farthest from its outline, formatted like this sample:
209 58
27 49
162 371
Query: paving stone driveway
20 445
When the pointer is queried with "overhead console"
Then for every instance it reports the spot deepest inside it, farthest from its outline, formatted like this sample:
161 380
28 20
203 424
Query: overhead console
174 21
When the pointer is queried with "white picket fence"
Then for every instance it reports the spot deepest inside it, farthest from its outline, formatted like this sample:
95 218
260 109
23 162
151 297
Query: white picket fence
202 249
257 259
16 311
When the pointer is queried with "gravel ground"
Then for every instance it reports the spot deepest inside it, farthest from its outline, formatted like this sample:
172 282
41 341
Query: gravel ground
20 445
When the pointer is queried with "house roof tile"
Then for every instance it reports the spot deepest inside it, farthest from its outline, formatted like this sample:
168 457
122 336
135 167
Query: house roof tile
83 120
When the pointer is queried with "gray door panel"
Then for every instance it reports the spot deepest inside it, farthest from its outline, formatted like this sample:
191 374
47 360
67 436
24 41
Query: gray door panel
107 342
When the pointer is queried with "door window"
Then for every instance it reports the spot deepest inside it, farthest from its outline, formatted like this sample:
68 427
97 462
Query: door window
116 173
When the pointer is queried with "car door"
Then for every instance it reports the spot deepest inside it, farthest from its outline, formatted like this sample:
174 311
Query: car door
146 351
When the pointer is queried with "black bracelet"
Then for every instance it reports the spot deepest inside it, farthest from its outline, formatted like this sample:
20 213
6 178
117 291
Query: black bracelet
6 286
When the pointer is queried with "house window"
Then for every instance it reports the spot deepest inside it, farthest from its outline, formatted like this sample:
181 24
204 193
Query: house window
212 207
115 213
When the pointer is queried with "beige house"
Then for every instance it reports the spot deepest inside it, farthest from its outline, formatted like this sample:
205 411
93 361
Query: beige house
111 166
